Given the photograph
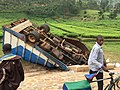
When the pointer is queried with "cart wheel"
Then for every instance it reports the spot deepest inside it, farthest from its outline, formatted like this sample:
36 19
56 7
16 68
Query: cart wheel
33 36
45 28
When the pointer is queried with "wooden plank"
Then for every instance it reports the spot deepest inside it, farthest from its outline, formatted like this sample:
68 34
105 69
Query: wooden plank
84 68
110 66
79 68
22 26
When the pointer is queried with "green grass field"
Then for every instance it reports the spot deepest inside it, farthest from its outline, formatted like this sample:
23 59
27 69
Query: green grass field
75 27
109 29
111 50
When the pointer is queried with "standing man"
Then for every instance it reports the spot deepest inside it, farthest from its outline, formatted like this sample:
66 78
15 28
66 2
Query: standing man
11 70
96 60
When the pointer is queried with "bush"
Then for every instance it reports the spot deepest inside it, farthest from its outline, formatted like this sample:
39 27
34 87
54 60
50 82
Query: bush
113 14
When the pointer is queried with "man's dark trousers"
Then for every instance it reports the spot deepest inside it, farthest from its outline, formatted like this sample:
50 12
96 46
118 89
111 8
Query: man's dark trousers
99 76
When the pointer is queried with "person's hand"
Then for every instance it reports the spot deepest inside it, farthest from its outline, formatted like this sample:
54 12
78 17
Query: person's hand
111 73
105 68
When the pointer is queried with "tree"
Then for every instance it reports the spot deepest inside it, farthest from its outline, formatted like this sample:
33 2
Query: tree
79 4
42 8
54 8
69 7
113 14
92 4
103 4
117 6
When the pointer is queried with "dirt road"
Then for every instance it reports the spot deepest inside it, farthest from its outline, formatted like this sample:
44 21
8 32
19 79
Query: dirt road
40 78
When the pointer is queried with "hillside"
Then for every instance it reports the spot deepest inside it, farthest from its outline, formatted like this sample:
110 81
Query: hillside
26 5
71 26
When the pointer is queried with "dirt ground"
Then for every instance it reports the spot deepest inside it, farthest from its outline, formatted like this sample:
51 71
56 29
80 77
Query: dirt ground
40 78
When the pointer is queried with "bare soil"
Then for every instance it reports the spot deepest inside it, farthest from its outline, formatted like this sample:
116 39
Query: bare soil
41 78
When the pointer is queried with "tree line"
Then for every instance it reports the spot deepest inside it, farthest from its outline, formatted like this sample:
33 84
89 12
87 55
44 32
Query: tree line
50 8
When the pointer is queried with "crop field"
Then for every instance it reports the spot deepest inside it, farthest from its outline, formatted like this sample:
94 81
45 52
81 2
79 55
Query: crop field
71 27
90 29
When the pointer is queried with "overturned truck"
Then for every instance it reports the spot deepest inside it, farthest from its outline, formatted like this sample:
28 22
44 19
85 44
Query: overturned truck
37 45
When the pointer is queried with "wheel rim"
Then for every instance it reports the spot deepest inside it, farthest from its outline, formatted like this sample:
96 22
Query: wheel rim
31 38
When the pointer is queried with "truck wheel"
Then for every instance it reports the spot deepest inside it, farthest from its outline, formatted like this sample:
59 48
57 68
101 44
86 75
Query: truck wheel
33 36
45 28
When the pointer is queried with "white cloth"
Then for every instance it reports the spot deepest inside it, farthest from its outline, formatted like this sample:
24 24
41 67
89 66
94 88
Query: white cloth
95 61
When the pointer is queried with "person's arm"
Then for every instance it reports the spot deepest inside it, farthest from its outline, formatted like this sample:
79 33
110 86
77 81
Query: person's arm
104 63
105 68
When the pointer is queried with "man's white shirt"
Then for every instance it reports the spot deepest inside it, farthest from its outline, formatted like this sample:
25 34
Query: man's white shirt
95 61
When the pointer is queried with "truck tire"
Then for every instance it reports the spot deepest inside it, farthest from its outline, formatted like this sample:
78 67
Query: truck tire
33 36
45 27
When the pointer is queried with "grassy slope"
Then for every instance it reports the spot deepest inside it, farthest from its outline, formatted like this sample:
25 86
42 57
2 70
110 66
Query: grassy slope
111 50
6 18
106 27
106 31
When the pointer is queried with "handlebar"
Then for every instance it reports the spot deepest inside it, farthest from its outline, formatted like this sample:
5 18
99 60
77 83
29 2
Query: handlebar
90 77
111 73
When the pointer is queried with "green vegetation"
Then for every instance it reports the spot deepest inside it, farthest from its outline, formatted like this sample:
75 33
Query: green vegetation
7 18
41 8
111 50
78 28
70 18
74 24
105 28
70 27
1 53
50 8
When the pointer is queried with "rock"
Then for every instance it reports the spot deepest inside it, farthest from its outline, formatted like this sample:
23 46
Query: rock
110 66
108 60
79 68
117 65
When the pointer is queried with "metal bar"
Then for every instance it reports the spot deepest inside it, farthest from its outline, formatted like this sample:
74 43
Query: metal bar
24 50
100 80
38 58
46 62
23 53
62 49
17 45
31 54
10 38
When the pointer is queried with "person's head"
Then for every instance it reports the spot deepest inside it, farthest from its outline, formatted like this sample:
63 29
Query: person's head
7 48
100 40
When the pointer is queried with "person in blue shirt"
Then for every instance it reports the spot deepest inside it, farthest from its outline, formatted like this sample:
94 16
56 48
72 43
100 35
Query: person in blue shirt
11 70
96 60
